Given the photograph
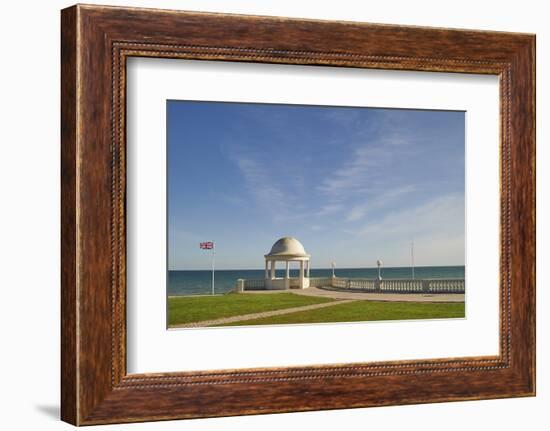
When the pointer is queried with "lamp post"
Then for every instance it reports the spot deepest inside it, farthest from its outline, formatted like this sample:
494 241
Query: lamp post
379 263
333 266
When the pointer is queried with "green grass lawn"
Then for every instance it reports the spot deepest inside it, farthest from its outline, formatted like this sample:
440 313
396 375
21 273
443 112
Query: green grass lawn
360 311
187 309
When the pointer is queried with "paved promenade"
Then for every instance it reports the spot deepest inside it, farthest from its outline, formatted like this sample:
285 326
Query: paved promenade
329 292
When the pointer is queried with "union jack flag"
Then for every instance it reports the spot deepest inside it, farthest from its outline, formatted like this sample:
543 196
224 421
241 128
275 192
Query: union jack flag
209 245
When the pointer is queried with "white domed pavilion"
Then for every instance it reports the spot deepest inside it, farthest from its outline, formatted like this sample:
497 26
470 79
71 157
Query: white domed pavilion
287 249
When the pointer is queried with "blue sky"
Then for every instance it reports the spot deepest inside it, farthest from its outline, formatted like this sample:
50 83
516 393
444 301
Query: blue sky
352 184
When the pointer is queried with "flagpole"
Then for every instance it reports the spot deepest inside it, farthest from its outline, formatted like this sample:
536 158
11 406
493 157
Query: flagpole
213 257
412 258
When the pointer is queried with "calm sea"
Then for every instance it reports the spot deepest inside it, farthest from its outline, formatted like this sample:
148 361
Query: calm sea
200 282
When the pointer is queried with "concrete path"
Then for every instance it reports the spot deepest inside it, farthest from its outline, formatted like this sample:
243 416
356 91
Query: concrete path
244 317
334 293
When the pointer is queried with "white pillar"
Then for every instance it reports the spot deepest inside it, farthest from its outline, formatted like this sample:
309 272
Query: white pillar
307 273
301 274
266 271
272 269
240 286
287 275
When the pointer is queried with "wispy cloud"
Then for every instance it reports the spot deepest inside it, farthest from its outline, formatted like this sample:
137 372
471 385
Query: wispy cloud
358 212
328 209
278 192
260 184
440 216
367 168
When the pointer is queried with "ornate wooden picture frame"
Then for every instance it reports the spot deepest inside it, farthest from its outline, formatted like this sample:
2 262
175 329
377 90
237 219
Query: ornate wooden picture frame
96 41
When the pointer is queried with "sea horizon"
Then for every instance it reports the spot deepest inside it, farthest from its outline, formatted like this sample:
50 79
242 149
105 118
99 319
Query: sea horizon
183 282
328 267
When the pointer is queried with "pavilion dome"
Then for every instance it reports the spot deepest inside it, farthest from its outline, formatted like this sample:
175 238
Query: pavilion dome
288 246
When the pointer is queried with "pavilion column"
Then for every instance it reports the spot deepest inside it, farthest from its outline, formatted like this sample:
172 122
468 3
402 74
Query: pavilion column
266 269
272 269
301 274
307 273
287 275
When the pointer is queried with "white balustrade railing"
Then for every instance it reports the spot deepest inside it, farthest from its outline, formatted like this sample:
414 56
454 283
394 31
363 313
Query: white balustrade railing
253 284
400 285
362 283
319 282
446 286
451 285
339 282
